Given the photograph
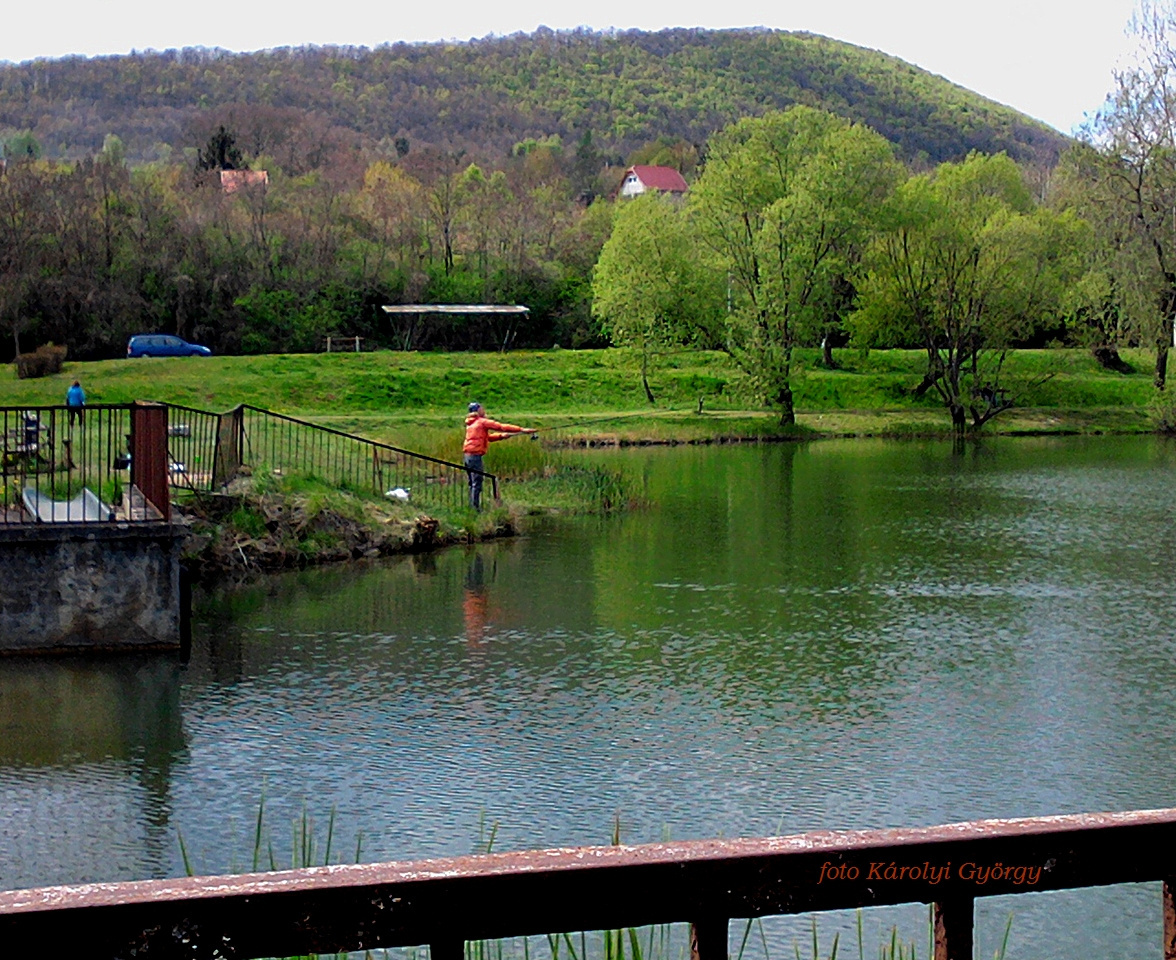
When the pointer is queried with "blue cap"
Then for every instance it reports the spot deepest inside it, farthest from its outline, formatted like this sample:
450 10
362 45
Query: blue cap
475 407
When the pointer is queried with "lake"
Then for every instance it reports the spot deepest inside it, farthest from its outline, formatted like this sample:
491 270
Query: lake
838 634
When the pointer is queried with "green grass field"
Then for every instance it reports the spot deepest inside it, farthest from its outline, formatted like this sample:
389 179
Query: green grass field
418 400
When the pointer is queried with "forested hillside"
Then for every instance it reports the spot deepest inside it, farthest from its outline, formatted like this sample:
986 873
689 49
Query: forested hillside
619 90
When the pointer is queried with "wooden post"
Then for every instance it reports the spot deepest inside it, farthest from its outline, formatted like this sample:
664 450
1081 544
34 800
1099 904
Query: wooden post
357 344
953 929
230 435
1169 897
708 939
149 454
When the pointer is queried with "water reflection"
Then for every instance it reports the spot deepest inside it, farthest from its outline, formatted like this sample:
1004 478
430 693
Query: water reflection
95 743
798 636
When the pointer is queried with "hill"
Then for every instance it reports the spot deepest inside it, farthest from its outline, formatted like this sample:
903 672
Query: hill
616 90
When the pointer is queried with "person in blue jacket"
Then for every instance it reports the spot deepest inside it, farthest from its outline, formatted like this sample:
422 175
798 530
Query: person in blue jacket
75 400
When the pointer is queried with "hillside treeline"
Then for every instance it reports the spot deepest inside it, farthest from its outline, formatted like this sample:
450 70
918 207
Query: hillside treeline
311 106
94 251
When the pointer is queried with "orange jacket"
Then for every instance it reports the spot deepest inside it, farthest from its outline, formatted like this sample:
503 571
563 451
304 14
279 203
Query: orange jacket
479 436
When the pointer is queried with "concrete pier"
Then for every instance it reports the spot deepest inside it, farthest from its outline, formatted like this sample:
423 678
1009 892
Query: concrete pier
76 587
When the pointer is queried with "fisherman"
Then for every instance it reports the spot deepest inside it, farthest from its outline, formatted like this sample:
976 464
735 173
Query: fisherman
481 431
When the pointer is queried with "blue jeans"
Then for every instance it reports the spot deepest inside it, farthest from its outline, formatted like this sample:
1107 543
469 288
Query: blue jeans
473 464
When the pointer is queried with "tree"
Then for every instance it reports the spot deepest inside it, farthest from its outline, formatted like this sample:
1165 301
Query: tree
1134 140
966 267
391 211
785 201
650 288
221 153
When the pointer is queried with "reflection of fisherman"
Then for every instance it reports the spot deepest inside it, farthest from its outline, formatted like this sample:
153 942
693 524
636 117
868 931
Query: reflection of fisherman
481 431
475 603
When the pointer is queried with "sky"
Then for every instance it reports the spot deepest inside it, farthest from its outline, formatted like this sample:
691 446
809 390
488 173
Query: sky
1051 59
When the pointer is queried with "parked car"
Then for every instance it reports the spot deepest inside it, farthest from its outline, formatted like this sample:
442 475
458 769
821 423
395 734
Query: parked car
164 345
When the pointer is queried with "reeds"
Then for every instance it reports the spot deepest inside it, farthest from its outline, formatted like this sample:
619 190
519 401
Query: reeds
658 942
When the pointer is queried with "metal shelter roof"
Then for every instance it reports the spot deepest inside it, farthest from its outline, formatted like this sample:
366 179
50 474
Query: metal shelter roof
456 308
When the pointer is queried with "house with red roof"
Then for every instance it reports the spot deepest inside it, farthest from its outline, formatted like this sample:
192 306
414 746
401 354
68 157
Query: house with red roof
638 179
234 180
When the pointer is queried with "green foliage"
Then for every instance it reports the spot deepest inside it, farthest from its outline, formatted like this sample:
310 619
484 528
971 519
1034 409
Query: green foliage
965 268
786 202
278 321
652 289
629 88
221 153
1123 179
22 146
45 361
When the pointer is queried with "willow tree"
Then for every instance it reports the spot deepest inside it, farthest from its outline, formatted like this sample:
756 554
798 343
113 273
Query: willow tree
967 267
785 202
652 289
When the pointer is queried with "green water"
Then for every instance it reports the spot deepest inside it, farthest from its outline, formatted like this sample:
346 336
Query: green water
836 634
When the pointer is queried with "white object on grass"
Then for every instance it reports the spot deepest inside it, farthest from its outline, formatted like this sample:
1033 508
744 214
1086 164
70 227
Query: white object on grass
397 493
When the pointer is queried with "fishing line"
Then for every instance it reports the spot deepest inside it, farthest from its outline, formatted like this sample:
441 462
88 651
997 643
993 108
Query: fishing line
586 423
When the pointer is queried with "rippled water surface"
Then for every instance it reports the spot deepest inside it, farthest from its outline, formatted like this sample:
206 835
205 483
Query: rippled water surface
839 634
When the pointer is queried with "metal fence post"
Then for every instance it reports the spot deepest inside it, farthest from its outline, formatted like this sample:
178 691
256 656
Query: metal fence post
149 455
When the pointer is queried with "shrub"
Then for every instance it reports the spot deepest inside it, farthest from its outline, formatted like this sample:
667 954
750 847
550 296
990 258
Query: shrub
45 360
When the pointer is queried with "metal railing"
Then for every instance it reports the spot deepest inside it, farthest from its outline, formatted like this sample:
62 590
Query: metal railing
445 903
207 450
63 465
193 443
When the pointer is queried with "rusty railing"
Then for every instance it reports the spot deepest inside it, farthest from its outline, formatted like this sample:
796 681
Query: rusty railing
444 903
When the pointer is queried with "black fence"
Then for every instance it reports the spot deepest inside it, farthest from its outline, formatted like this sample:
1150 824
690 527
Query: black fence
63 465
207 451
79 466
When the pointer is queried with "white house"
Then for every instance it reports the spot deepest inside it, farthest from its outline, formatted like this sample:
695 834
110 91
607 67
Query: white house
640 178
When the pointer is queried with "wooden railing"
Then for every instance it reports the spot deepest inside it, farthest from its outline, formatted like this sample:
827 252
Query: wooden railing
444 903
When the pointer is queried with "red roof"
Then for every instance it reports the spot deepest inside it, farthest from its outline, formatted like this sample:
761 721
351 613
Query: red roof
234 180
660 178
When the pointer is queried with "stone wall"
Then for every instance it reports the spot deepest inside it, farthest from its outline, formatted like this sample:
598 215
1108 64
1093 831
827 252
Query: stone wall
67 587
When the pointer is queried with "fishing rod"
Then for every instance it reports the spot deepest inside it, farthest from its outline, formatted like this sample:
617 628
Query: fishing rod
586 423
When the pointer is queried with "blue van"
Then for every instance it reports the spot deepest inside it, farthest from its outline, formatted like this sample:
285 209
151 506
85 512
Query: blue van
163 345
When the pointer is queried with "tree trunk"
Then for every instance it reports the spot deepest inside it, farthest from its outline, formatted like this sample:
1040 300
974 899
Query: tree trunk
1163 343
645 377
1107 355
927 384
784 401
959 418
827 354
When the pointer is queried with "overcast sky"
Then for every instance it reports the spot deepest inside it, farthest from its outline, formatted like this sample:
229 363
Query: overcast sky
1052 59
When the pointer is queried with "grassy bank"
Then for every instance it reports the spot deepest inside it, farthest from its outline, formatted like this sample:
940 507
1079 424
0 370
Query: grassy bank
417 401
263 523
391 393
